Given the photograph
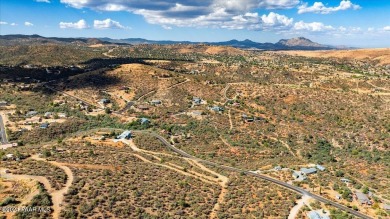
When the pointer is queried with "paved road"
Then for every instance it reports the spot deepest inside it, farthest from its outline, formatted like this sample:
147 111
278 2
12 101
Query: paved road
260 176
3 135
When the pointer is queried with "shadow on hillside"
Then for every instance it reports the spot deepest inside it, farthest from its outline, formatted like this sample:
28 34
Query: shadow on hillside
102 63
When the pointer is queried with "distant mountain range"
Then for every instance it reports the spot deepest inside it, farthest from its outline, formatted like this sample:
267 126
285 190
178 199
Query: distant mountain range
299 43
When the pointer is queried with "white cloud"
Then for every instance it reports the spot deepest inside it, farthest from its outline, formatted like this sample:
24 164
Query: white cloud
320 8
314 26
81 24
276 20
230 14
278 4
166 27
387 28
45 1
3 23
14 24
107 24
29 24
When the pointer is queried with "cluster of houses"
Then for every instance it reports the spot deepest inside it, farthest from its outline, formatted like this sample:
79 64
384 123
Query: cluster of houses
47 115
304 172
13 157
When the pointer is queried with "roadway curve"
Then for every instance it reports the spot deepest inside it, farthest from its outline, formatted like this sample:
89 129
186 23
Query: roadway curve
260 176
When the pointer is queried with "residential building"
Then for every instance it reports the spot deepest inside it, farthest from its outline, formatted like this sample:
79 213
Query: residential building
125 135
143 107
344 180
144 121
3 103
317 215
31 113
217 109
298 175
197 101
104 101
308 171
362 198
62 115
44 126
48 114
319 167
155 102
278 168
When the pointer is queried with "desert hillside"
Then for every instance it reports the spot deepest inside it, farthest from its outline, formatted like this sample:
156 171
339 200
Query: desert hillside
381 55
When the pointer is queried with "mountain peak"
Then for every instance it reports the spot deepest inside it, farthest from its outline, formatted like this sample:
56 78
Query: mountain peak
299 42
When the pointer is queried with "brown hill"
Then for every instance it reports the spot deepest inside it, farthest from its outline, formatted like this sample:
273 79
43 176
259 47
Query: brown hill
381 55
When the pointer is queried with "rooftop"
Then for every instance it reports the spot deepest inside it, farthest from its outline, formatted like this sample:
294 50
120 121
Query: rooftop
317 215
308 170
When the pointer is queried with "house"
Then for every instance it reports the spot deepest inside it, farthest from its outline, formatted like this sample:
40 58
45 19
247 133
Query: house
338 197
48 114
298 175
217 109
278 168
143 107
196 113
31 113
44 126
124 88
362 198
62 115
317 215
319 167
144 121
247 119
155 102
197 101
259 118
308 171
251 119
344 180
125 135
10 145
9 156
386 207
3 103
104 101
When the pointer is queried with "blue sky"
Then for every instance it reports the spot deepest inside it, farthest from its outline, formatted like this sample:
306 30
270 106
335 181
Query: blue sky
359 23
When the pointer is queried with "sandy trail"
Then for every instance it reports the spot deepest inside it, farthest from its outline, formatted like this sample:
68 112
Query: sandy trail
295 210
223 182
58 195
230 120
